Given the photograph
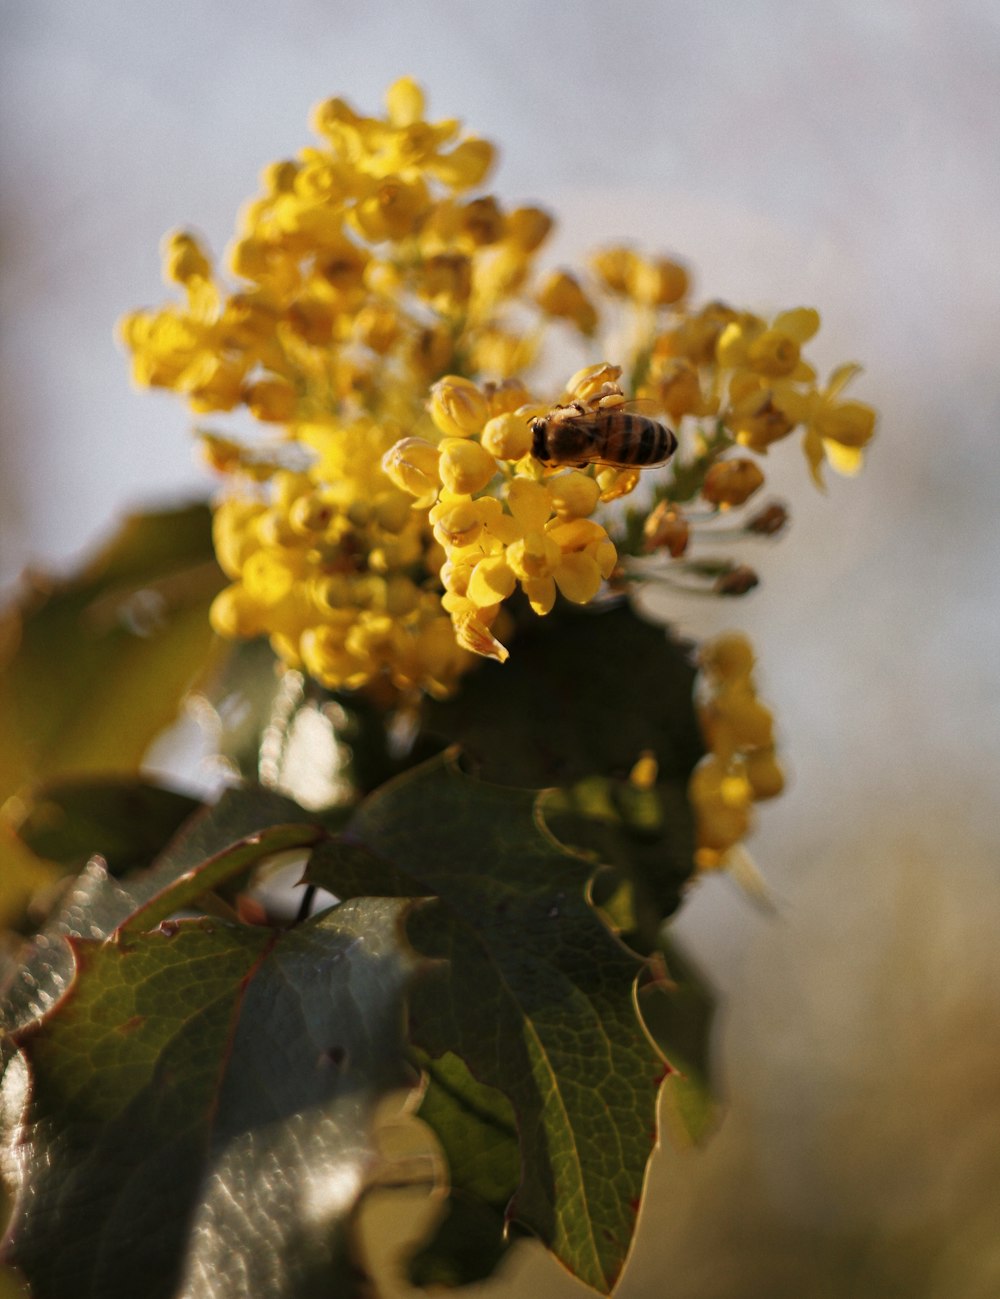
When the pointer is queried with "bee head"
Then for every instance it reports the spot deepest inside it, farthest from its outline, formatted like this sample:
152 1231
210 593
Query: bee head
539 428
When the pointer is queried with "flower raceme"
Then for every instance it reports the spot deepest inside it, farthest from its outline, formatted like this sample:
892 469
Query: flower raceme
385 333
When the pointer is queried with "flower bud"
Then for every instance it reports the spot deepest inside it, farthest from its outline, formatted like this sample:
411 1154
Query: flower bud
666 529
507 436
465 466
574 495
731 482
737 581
457 407
412 464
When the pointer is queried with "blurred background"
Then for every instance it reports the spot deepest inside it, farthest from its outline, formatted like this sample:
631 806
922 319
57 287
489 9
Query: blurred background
842 156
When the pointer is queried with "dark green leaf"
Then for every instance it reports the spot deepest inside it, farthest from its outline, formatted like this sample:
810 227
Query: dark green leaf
646 835
536 997
478 1134
94 666
199 1109
678 1010
584 693
94 905
125 820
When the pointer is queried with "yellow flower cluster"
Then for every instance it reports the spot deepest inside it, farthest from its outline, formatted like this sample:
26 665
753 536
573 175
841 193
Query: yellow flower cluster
386 319
749 376
503 521
367 273
741 767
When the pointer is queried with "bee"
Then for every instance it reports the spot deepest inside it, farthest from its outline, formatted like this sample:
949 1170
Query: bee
610 435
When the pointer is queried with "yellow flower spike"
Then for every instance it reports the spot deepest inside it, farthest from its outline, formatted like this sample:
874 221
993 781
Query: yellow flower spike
503 354
729 483
465 166
465 466
457 407
574 495
405 102
184 259
412 464
528 227
492 581
507 436
530 503
561 297
767 780
613 266
459 525
578 578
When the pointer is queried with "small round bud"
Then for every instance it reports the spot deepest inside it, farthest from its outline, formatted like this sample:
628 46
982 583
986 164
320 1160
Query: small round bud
507 436
737 581
457 407
731 482
465 466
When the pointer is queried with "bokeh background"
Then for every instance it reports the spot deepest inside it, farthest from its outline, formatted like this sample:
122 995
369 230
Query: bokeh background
840 155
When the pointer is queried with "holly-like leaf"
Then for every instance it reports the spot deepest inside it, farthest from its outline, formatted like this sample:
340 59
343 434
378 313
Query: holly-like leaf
678 1009
94 666
645 835
534 995
195 1111
584 693
219 844
478 1134
123 819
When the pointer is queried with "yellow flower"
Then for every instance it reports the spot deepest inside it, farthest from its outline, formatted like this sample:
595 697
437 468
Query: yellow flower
835 430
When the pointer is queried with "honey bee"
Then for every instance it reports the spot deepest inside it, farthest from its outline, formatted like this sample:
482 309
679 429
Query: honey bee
611 435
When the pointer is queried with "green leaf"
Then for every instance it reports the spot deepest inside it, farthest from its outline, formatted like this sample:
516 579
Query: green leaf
196 1111
534 995
584 693
646 835
679 1009
93 667
478 1134
124 819
95 905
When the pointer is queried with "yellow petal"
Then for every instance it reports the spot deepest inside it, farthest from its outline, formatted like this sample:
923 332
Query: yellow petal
578 578
800 324
492 580
812 445
541 593
846 460
530 503
405 102
841 377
